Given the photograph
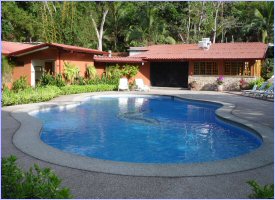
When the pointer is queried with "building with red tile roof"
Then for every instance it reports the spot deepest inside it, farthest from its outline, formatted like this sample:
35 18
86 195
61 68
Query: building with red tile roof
31 60
180 64
159 65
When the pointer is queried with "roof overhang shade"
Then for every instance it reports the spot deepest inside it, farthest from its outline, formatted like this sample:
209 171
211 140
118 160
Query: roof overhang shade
118 59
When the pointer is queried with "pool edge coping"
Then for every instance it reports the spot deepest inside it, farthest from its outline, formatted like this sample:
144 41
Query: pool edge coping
38 149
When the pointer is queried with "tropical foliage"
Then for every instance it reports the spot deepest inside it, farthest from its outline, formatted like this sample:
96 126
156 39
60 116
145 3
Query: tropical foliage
261 192
6 70
37 183
71 71
118 25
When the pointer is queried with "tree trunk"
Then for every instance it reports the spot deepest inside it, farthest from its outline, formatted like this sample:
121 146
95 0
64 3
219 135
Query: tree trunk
99 33
201 17
189 23
215 20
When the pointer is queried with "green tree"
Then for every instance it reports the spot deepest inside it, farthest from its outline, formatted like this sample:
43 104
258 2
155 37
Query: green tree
264 13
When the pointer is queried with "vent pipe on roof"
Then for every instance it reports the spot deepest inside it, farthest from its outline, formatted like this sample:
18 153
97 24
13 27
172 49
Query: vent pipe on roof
110 53
205 43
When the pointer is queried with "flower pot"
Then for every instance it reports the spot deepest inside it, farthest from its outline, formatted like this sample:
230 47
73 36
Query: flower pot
220 88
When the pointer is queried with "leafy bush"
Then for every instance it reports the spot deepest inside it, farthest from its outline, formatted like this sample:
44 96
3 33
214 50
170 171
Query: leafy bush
6 70
113 72
59 82
91 72
20 84
129 70
34 184
103 80
71 71
258 82
265 192
40 94
30 95
47 79
79 81
268 69
75 89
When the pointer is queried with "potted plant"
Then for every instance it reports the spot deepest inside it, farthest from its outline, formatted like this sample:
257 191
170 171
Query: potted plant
193 85
244 85
220 83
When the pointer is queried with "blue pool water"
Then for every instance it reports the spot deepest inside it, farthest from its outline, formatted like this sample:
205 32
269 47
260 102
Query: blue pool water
145 129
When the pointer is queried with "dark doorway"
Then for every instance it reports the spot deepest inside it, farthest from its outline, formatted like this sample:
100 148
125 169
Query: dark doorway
169 74
49 67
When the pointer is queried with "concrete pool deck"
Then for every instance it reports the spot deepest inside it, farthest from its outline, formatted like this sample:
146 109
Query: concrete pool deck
86 184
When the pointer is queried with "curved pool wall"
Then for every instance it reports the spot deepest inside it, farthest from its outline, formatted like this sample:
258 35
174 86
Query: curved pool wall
30 128
152 129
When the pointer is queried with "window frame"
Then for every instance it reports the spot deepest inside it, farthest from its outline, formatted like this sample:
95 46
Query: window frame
237 68
206 68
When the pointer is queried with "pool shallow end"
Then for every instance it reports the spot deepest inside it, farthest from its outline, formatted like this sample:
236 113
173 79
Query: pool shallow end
30 128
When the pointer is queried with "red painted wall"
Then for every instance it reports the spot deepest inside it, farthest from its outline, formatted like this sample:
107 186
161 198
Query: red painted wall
144 73
81 60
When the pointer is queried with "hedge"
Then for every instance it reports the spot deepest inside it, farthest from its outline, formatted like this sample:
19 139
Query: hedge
40 94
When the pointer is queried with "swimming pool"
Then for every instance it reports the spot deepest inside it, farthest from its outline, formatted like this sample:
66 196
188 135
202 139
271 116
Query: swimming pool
145 129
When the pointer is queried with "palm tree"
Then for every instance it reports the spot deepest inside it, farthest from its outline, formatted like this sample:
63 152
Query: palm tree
264 14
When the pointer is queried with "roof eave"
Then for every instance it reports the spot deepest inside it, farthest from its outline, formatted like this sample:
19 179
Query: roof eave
47 45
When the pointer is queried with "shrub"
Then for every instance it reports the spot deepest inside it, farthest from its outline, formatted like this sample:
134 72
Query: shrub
6 70
268 68
20 84
103 80
71 71
59 82
46 93
113 72
91 72
79 81
258 82
29 95
265 192
244 85
34 184
75 89
129 70
47 79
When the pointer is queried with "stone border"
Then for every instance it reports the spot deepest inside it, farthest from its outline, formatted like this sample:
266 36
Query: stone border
27 139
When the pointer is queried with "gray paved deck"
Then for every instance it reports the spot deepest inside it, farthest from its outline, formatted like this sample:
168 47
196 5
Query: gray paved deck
85 184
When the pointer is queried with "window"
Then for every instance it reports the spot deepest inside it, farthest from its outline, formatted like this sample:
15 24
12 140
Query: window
237 69
205 68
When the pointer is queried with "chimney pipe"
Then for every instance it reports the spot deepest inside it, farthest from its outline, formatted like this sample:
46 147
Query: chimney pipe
110 53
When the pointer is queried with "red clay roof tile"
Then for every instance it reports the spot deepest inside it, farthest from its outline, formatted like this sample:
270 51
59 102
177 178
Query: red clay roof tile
252 50
15 48
118 59
9 47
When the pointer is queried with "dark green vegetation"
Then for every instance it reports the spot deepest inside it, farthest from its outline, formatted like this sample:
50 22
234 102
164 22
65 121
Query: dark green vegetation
36 183
265 192
79 23
268 68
